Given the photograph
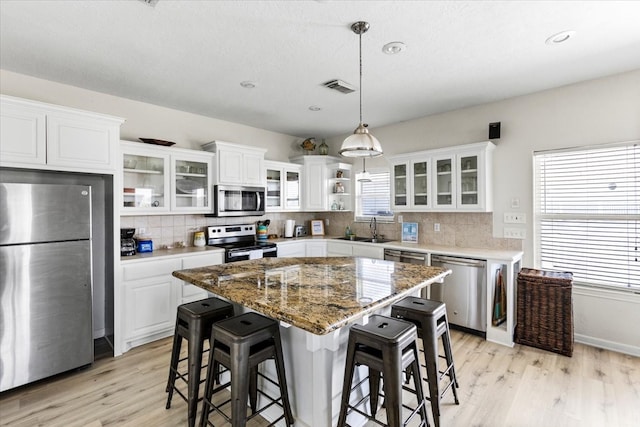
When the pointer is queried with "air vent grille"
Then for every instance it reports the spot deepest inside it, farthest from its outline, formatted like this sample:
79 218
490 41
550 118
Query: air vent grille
340 86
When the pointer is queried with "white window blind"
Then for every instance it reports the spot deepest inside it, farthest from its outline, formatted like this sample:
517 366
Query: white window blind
587 213
373 199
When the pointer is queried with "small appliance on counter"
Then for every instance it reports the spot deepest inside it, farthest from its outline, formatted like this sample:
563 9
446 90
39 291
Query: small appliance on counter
300 231
127 243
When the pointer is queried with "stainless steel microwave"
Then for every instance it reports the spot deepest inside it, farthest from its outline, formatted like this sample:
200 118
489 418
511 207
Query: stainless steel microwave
232 200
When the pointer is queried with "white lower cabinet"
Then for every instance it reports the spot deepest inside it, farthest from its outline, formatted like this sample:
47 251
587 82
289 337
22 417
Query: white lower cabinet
316 248
337 248
150 297
368 251
189 292
292 249
341 248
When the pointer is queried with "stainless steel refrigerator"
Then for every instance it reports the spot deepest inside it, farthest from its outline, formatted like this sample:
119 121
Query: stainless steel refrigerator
45 281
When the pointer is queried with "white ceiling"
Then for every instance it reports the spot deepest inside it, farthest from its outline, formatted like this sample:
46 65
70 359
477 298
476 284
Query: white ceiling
192 55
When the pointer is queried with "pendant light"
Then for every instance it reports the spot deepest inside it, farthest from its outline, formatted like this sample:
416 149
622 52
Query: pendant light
364 176
361 143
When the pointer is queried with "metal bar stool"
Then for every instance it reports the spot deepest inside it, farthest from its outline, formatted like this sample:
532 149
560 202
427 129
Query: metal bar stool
240 344
431 319
386 346
193 323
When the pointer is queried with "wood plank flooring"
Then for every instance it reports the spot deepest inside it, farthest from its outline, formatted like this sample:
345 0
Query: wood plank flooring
499 386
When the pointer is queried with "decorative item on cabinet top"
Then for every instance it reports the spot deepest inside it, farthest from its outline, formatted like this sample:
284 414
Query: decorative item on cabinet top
308 145
157 142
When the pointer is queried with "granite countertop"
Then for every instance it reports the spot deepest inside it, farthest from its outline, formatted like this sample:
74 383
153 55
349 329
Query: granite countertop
315 294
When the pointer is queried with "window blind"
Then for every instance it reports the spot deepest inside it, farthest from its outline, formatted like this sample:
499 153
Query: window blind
587 213
373 199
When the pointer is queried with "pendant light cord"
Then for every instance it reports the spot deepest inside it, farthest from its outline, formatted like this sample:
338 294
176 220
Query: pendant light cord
360 37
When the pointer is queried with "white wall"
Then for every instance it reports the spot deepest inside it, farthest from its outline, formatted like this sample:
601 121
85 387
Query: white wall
594 112
150 121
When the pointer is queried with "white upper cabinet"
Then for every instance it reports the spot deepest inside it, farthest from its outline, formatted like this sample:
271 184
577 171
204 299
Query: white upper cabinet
411 183
238 164
445 180
323 185
284 183
158 180
37 135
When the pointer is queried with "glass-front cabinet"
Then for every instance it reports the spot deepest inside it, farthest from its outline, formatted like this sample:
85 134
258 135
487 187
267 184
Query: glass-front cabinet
445 183
191 180
412 184
283 186
400 186
160 180
420 170
145 181
446 179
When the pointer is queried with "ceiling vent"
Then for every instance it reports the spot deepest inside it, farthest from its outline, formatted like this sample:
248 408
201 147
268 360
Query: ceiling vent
151 3
340 86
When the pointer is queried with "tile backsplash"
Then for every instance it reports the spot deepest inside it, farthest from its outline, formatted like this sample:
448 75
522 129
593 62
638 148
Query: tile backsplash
456 229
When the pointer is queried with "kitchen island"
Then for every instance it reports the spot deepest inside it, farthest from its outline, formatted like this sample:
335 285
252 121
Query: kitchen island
314 299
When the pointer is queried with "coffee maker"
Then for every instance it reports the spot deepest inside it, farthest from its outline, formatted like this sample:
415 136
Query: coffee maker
127 244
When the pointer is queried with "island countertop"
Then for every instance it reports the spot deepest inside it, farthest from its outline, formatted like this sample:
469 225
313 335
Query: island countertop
316 294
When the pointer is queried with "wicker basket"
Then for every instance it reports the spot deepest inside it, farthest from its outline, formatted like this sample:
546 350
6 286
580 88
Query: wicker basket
545 310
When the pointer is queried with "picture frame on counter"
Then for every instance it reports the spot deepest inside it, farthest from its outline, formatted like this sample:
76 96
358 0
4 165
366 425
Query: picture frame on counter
410 232
317 227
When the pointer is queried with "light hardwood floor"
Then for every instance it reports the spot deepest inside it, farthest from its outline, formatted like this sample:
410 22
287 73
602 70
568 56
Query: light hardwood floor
499 386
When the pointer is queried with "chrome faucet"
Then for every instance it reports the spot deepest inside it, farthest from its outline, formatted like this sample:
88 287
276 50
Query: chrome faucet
373 225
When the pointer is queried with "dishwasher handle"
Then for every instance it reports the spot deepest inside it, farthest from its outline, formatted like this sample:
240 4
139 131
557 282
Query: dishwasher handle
458 261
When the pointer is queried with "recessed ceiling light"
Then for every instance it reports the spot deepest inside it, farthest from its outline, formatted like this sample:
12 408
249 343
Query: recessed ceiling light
560 37
247 84
315 108
393 48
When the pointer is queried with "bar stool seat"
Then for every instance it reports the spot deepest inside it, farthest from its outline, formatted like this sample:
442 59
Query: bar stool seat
193 323
240 344
386 346
431 319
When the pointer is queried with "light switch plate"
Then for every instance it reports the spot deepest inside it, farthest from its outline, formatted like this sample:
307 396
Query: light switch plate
515 233
515 218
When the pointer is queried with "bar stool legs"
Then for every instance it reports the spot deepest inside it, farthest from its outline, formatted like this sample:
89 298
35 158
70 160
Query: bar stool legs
431 319
241 343
387 347
193 323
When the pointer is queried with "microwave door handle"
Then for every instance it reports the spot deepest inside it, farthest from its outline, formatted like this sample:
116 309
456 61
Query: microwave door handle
258 197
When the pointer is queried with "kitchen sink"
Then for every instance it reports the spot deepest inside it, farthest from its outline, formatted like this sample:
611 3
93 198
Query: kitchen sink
378 240
365 239
354 238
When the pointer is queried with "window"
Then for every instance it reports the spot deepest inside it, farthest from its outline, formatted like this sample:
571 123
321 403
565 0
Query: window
373 199
587 213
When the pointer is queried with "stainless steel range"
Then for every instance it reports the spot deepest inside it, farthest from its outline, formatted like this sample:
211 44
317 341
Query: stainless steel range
239 242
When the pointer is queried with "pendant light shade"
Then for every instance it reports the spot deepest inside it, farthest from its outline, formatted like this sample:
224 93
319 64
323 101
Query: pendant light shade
364 176
361 143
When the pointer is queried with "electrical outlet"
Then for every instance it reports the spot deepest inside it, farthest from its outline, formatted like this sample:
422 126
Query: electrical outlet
515 218
515 233
326 222
400 219
142 230
436 226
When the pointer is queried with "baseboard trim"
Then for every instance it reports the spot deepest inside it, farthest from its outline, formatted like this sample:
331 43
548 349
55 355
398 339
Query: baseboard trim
608 345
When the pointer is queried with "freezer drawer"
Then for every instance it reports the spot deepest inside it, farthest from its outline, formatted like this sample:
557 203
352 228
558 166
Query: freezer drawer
464 291
45 321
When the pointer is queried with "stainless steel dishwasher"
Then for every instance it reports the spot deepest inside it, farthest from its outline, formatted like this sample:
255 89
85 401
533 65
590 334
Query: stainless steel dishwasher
410 258
464 292
405 256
